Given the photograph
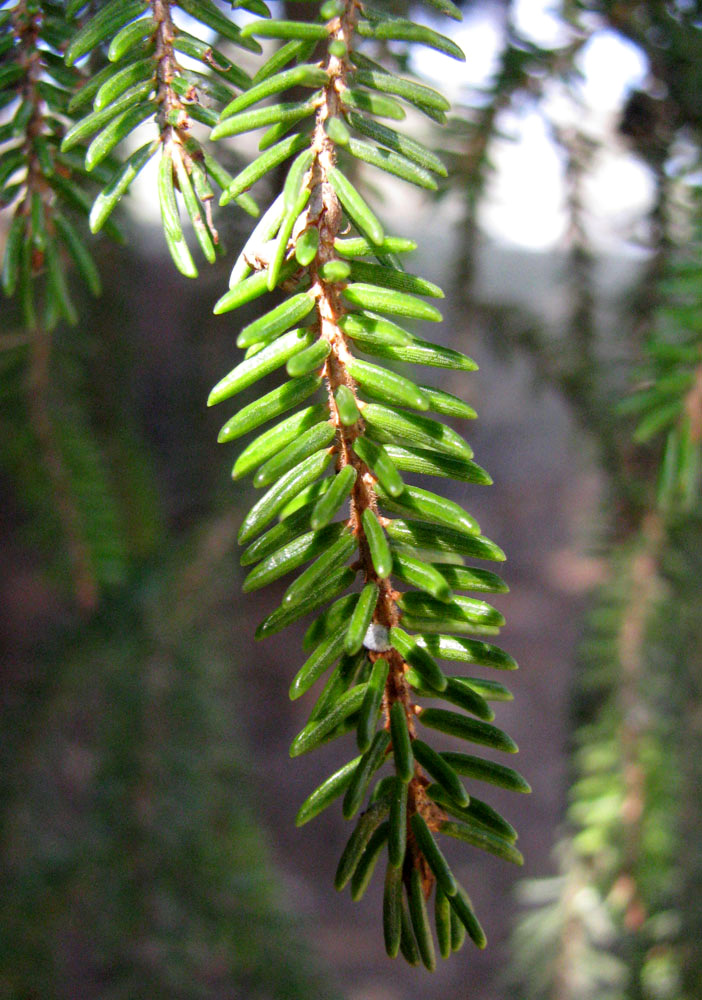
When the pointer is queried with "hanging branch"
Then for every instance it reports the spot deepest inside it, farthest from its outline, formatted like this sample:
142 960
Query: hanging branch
35 179
38 184
144 80
372 428
668 397
601 928
48 174
606 930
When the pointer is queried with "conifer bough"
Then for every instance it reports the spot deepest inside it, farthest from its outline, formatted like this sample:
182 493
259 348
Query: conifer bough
333 474
145 79
333 443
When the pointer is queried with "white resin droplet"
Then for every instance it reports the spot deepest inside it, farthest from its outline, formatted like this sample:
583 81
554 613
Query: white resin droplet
377 638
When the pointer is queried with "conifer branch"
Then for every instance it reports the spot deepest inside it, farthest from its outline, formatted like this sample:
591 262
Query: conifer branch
326 214
144 80
173 120
36 254
371 425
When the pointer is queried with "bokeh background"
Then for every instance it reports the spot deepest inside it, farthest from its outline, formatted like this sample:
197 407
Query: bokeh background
147 801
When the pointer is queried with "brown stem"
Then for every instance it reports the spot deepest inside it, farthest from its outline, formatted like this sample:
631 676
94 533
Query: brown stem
166 69
325 213
27 26
174 136
631 641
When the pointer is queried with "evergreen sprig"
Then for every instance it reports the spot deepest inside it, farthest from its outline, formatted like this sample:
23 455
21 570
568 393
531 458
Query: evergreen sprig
144 79
336 510
608 925
44 185
49 444
668 398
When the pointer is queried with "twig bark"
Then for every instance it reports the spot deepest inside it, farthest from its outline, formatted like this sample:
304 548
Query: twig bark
27 24
325 213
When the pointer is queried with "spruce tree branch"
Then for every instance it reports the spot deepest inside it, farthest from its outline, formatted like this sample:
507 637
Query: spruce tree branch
27 25
644 593
165 71
171 107
325 213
